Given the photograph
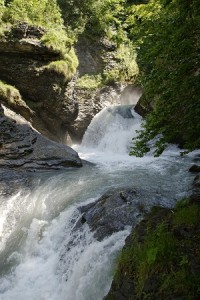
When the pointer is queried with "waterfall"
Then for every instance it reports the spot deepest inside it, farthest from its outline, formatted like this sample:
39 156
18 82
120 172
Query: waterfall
112 129
42 256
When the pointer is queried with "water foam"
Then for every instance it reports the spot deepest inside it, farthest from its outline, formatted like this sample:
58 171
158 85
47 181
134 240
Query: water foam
43 257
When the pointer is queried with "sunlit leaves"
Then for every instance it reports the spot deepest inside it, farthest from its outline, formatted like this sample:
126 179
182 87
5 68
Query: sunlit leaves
44 13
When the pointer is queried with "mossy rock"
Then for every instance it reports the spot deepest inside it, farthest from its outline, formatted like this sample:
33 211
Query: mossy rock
161 257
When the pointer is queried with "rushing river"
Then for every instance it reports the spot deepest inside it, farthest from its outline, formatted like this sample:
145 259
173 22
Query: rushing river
42 257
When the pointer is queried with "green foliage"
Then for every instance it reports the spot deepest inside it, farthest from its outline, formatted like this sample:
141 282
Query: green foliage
2 7
90 82
6 91
167 34
57 40
188 215
163 255
182 203
44 13
94 18
10 95
125 69
75 14
65 67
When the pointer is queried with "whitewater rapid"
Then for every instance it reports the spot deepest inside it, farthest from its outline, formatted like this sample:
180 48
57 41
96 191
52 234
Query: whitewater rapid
42 256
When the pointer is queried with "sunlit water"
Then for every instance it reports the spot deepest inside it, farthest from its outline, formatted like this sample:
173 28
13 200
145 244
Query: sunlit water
42 257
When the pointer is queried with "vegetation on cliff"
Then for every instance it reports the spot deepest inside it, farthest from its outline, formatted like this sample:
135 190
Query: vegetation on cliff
161 258
157 46
45 15
167 35
155 43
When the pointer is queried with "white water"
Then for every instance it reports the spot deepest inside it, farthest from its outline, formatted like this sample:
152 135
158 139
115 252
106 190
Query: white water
41 256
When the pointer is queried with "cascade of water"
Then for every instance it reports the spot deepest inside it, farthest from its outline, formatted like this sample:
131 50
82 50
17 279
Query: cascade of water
112 129
41 256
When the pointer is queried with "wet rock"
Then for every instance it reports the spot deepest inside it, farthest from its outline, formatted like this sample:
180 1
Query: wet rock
23 147
12 181
115 210
195 169
172 276
143 107
195 196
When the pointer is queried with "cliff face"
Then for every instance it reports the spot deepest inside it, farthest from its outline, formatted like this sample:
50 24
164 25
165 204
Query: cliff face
24 61
56 105
95 56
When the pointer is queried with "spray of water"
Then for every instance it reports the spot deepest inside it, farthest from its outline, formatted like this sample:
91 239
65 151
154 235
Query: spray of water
42 256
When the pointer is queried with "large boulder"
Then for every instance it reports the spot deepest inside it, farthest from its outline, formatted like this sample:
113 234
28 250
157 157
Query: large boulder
115 210
22 147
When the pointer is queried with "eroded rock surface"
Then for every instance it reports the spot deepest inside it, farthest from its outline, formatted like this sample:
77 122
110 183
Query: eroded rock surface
24 61
23 147
115 210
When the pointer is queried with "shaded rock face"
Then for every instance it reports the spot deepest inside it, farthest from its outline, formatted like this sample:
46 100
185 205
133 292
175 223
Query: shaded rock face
56 106
23 60
143 107
22 147
90 56
12 181
90 103
195 197
94 57
115 210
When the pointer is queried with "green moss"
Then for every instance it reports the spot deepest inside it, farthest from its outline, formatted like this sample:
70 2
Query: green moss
9 94
125 68
66 67
181 282
57 40
182 203
163 256
2 8
188 215
36 12
47 15
150 257
90 82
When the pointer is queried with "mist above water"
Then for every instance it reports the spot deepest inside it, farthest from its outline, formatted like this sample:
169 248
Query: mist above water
130 95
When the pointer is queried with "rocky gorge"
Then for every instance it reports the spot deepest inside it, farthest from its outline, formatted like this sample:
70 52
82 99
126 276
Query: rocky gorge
64 220
55 105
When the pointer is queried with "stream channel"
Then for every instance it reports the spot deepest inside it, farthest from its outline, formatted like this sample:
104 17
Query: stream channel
42 257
